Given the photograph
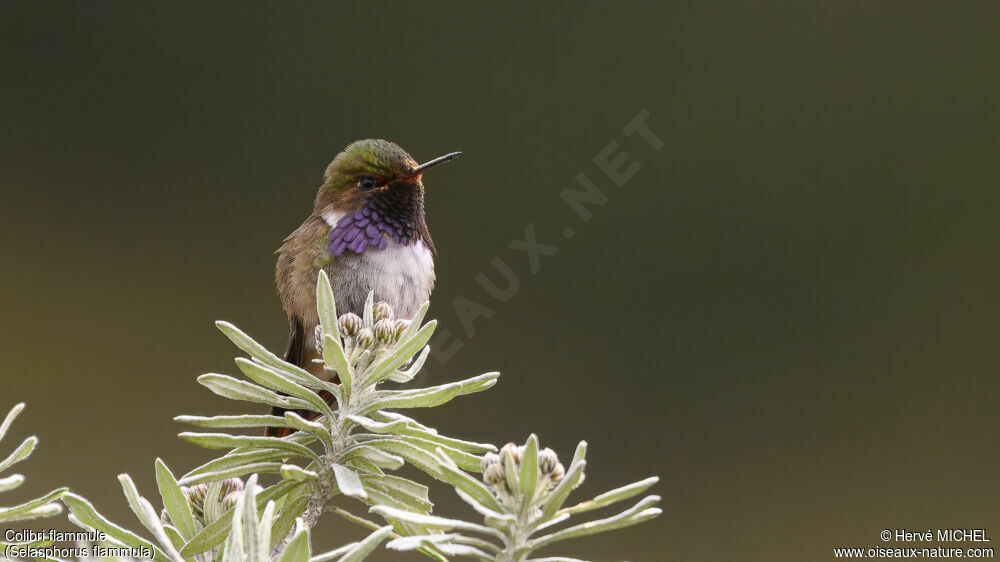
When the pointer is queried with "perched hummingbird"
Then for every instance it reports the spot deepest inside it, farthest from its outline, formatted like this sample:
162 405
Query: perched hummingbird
367 231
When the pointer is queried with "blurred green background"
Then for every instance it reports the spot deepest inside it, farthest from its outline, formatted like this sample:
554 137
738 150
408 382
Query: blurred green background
789 313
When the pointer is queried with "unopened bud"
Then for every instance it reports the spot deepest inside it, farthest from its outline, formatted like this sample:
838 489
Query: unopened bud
515 453
365 338
547 460
489 459
230 485
230 500
385 332
400 326
382 310
494 476
350 324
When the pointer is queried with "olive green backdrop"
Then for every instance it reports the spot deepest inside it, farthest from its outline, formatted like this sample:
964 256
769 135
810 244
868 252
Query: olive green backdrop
789 313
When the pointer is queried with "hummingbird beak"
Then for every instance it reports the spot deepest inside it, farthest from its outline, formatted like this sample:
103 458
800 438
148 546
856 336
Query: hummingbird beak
421 168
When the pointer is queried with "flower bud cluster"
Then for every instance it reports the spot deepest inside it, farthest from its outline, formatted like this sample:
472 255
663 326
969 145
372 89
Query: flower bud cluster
384 331
503 482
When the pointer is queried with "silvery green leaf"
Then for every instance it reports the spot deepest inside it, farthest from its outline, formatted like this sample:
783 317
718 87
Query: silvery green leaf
274 380
510 469
373 455
616 495
479 383
453 549
379 427
423 398
225 441
319 430
368 314
580 453
243 420
11 482
413 369
432 521
415 322
295 503
212 507
361 550
326 307
348 481
236 389
493 518
33 509
175 537
9 419
562 490
146 514
244 539
529 468
399 354
387 495
42 511
414 455
264 527
336 359
299 548
297 473
233 472
259 352
20 453
552 522
233 460
467 461
89 517
637 514
415 542
174 500
468 446
471 486
333 553
417 494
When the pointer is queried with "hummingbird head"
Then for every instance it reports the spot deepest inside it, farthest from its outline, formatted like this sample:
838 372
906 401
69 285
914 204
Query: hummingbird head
368 169
377 182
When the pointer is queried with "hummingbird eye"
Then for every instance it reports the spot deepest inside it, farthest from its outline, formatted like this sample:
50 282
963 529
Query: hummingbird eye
366 182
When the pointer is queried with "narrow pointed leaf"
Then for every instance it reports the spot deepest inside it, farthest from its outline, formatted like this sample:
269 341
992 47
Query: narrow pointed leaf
9 419
225 441
616 495
244 420
20 453
274 380
298 549
259 352
174 501
336 359
529 468
89 517
369 544
25 509
348 481
236 389
637 514
400 354
326 306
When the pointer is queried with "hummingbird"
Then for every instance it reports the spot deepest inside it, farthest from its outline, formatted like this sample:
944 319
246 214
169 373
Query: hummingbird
367 230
